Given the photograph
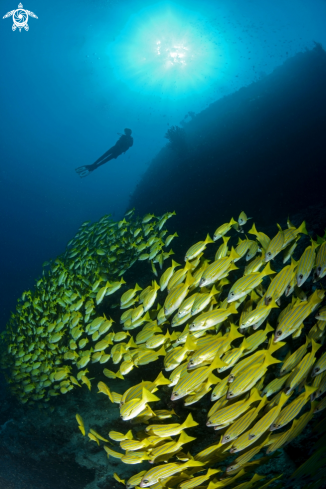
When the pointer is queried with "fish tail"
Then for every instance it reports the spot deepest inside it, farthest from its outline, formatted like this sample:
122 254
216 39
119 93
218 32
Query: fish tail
189 423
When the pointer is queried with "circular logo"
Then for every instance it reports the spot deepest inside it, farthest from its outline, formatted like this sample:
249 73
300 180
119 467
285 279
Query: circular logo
20 18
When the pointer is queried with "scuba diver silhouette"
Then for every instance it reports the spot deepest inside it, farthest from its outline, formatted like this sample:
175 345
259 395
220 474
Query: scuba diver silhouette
121 146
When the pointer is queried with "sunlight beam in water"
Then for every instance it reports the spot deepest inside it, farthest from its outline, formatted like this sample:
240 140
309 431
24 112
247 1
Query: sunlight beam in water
166 50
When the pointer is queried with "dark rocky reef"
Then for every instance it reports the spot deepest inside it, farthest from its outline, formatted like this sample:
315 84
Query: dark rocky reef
261 150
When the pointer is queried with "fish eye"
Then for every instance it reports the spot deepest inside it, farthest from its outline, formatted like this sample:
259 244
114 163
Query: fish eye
269 253
317 369
319 269
146 481
174 394
278 333
231 293
191 361
226 437
300 276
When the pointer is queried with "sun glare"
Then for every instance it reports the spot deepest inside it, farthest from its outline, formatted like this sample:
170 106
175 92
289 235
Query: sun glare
165 48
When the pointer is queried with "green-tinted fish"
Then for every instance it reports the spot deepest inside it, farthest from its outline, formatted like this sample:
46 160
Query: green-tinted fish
161 472
129 295
197 248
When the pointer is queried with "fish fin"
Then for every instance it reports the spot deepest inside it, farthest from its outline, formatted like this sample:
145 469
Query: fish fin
254 396
309 389
302 228
189 423
234 254
267 270
208 239
161 380
224 281
232 221
175 264
232 310
212 471
234 333
232 267
283 399
213 379
129 435
184 438
148 396
268 328
314 346
192 463
275 346
269 360
279 227
253 230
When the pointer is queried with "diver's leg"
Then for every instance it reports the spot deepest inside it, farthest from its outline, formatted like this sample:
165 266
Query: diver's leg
109 152
94 166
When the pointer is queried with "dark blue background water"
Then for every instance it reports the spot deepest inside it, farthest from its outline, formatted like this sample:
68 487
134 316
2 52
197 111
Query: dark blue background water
87 69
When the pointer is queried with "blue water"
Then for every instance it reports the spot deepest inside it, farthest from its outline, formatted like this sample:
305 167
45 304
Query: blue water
84 71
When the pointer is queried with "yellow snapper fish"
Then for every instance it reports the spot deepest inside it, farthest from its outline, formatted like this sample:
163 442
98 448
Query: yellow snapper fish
176 296
136 390
80 422
252 250
242 423
173 429
179 276
246 284
242 219
293 319
279 283
167 450
223 417
250 376
223 249
306 263
320 270
133 408
320 366
129 295
197 248
161 472
165 278
116 436
222 230
263 239
218 269
189 382
210 319
302 369
256 317
198 481
275 246
291 410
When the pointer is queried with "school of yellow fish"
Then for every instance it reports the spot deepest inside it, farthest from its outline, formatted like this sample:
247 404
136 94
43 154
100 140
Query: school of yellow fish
44 347
216 335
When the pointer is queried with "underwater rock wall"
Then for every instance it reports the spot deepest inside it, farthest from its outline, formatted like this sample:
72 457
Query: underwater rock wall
226 169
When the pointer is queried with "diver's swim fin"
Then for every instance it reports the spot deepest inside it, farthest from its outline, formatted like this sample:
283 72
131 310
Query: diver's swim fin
82 171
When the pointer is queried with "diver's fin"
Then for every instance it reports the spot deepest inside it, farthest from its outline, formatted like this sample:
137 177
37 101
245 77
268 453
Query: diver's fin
82 171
